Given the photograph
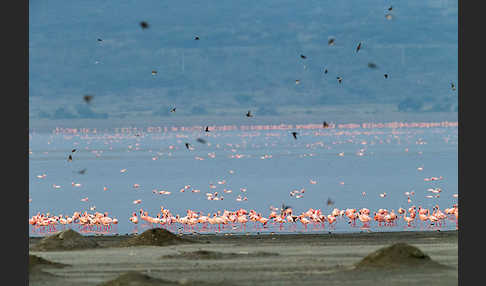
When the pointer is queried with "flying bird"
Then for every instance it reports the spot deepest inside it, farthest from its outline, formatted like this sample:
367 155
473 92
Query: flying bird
325 125
88 98
340 79
385 75
331 41
248 114
70 158
82 172
294 134
188 146
297 81
74 150
173 110
303 57
144 25
372 65
325 71
207 129
359 47
200 140
391 8
99 40
196 38
154 72
453 86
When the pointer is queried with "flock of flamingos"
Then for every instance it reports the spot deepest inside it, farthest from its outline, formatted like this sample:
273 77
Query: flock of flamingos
198 222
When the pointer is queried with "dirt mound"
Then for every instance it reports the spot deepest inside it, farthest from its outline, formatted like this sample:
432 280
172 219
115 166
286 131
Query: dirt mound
64 240
37 262
397 255
133 278
206 254
155 237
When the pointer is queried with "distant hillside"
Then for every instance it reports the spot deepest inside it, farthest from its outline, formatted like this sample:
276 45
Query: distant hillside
248 56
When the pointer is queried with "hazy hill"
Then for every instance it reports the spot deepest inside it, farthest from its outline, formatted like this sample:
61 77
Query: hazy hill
248 56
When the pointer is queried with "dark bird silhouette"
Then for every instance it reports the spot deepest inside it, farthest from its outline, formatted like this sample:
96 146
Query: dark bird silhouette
325 71
74 150
200 140
359 47
325 125
188 146
372 65
173 110
196 38
154 72
303 57
88 98
70 158
297 81
331 41
294 134
144 25
453 86
207 129
330 202
82 172
248 114
385 75
340 79
283 208
391 8
99 40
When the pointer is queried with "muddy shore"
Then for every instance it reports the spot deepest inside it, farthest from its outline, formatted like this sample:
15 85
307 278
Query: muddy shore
267 259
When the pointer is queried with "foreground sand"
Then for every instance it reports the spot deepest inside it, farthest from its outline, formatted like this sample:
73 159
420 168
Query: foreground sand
298 259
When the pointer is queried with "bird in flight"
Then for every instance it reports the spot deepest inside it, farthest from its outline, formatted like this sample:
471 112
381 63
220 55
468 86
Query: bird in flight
325 125
372 65
74 150
248 114
196 38
294 134
207 129
303 57
359 47
188 146
331 41
297 81
329 202
391 8
82 171
340 79
200 140
144 25
453 86
325 71
99 40
173 110
385 75
154 72
70 158
88 98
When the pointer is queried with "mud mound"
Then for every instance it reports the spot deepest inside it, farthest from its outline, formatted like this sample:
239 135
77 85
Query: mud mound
206 254
38 262
64 240
397 255
133 278
155 237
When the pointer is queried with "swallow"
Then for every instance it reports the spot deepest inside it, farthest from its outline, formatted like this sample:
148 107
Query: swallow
294 134
248 114
359 47
88 98
144 25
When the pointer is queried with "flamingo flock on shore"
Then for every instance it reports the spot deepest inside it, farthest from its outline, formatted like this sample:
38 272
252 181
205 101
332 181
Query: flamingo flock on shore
87 222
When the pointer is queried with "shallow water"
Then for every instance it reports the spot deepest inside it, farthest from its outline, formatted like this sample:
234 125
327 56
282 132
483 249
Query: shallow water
268 163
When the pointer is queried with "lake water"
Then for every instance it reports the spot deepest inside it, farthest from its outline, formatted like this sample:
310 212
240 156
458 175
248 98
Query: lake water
344 161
